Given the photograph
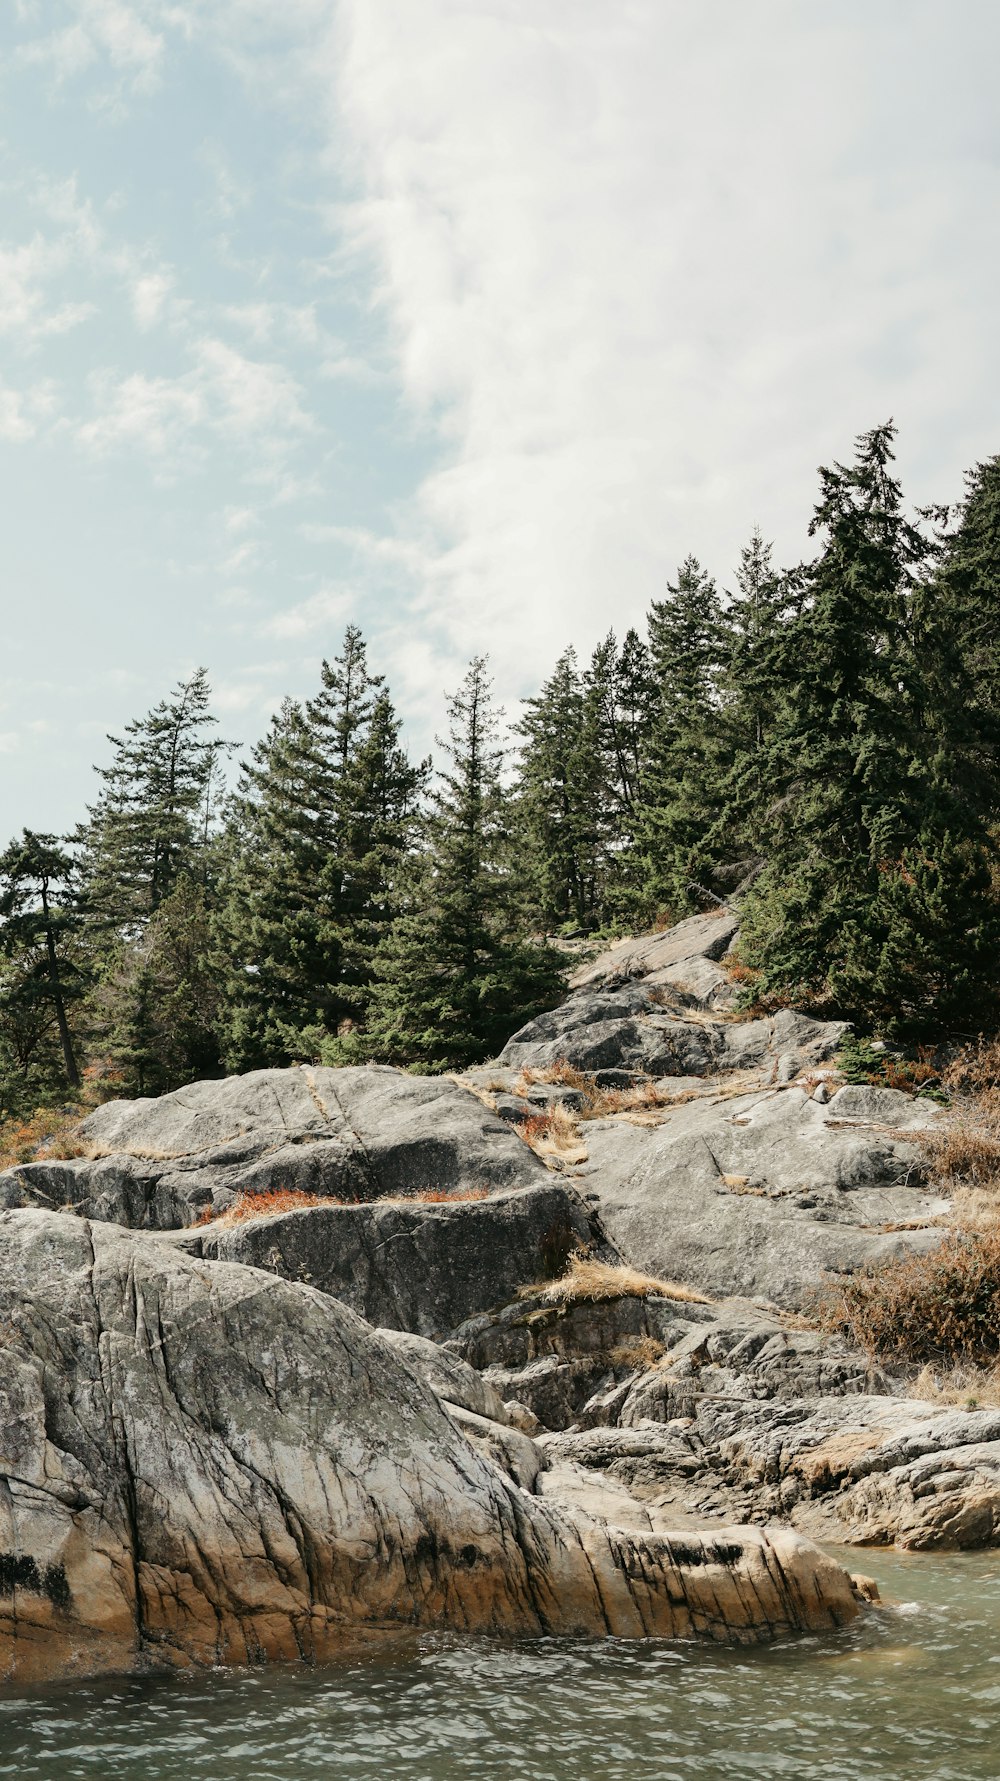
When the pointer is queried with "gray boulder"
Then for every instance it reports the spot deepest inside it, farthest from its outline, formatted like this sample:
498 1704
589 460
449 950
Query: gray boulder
353 1134
706 937
631 1028
763 1194
422 1267
204 1463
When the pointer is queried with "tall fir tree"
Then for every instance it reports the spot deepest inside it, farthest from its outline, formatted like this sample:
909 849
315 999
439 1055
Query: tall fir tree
621 703
874 900
324 812
458 971
41 977
968 584
559 800
688 750
154 812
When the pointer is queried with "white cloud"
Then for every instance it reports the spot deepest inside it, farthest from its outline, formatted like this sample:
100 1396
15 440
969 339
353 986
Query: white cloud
646 264
123 33
150 292
255 404
328 606
23 412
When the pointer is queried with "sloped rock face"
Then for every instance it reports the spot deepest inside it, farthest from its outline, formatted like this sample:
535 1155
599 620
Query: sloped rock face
423 1267
632 1027
205 1463
764 1193
680 949
356 1134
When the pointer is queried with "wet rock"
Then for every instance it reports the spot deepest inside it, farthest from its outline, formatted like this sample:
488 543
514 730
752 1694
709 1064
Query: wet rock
204 1463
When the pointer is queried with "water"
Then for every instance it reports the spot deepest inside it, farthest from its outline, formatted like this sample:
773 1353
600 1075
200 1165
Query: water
910 1695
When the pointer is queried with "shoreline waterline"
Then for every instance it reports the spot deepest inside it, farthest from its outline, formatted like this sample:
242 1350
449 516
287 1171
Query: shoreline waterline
912 1688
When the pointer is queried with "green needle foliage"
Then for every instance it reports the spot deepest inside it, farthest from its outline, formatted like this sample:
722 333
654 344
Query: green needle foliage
875 897
324 814
457 973
41 980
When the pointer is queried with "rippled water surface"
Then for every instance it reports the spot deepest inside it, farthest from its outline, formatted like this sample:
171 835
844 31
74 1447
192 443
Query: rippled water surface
913 1694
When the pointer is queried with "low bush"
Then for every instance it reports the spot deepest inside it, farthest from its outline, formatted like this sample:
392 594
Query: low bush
48 1133
867 1062
940 1307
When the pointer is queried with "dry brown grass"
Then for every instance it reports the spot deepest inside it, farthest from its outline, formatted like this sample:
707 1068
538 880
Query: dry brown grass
965 1154
289 1199
587 1281
638 1354
603 1103
940 1307
974 1388
554 1136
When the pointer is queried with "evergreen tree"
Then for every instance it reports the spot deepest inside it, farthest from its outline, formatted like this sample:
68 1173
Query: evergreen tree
874 898
621 702
324 811
688 753
153 814
458 973
157 1006
40 976
968 586
559 799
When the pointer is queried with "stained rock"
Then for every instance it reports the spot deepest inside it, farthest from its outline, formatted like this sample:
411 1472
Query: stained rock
205 1463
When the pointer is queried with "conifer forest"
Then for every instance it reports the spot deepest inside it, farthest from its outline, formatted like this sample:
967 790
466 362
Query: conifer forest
821 743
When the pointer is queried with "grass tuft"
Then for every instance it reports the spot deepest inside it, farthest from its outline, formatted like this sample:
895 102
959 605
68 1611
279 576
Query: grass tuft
587 1281
289 1199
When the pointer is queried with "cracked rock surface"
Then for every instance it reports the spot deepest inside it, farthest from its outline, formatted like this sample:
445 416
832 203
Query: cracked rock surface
356 1134
205 1463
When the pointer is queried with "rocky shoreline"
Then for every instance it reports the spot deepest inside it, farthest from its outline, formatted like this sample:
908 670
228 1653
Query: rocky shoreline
401 1401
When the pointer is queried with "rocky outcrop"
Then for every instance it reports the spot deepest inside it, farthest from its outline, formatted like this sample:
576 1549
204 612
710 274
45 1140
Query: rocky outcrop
352 1134
206 1463
745 1416
764 1193
422 1266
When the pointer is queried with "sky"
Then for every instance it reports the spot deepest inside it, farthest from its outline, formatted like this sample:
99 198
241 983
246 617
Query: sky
462 320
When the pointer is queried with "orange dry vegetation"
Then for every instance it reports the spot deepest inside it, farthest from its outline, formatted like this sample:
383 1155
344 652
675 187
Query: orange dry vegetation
289 1199
942 1306
47 1134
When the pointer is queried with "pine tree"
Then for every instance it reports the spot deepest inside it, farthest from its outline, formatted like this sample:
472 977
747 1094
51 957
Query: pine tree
757 615
559 800
968 585
157 1006
457 972
154 810
324 811
874 899
621 702
41 981
688 752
